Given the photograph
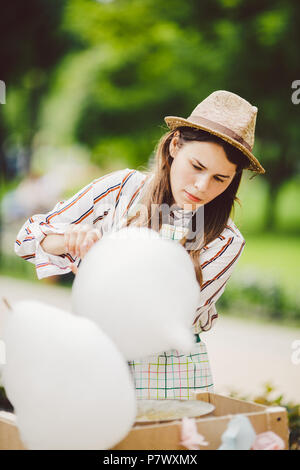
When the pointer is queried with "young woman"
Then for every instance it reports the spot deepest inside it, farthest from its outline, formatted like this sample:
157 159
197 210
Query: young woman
198 166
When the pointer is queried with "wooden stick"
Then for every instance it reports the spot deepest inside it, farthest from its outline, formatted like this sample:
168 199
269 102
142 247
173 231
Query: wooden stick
6 303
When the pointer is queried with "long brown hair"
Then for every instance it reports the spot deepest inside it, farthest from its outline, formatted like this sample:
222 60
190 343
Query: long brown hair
159 191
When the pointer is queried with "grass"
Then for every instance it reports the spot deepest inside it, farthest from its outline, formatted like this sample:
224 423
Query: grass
253 194
17 268
276 255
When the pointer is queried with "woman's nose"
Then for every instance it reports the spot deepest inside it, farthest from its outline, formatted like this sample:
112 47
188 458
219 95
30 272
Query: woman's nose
202 183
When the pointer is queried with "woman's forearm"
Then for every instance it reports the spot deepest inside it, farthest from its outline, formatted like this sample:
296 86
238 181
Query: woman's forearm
54 244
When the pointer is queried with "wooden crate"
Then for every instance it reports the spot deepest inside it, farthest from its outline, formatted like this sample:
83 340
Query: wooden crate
166 436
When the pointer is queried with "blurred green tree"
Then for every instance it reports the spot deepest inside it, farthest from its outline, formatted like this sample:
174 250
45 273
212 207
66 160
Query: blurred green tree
30 47
262 66
138 65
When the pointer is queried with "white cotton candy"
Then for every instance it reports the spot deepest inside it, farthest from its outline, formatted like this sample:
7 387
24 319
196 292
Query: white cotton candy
141 290
70 386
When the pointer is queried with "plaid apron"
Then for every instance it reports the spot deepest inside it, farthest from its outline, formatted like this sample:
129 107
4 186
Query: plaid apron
173 375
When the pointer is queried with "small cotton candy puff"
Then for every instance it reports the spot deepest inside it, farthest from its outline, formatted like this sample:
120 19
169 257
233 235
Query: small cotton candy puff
268 441
190 438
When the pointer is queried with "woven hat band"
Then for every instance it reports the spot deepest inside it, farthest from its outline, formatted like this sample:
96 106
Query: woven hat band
201 121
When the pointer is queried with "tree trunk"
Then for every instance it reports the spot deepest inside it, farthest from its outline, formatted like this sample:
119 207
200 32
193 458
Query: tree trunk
270 215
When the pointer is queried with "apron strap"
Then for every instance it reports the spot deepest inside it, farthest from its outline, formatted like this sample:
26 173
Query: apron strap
197 338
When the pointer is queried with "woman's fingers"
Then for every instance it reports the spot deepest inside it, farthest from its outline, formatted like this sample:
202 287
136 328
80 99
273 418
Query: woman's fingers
71 248
74 268
91 237
88 243
79 239
81 236
66 241
70 239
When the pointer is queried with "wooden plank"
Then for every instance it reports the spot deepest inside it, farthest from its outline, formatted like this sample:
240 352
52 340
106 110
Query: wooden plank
9 434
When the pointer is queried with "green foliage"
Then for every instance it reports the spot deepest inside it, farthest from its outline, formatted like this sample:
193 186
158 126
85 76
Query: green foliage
287 215
144 62
73 83
263 286
268 398
271 25
274 257
250 215
257 297
12 265
265 283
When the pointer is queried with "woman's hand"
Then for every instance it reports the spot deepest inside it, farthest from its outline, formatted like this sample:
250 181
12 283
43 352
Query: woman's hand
79 238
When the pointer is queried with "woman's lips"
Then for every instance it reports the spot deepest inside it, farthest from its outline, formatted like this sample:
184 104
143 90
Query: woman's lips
192 198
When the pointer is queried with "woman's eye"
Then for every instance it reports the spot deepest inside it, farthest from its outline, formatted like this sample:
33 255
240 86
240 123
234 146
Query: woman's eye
216 178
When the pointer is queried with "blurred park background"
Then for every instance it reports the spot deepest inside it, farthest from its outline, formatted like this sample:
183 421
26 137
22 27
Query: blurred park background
88 84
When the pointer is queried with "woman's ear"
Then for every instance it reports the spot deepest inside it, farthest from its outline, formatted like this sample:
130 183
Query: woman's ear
173 146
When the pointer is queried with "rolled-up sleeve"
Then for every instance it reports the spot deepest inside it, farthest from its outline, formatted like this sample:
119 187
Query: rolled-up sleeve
84 207
218 261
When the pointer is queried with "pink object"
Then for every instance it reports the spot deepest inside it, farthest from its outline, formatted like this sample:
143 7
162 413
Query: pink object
74 268
268 441
190 438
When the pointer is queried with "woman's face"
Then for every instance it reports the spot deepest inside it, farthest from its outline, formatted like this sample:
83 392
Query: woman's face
200 169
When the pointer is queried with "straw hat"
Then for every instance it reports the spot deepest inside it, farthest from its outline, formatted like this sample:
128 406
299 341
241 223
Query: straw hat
228 116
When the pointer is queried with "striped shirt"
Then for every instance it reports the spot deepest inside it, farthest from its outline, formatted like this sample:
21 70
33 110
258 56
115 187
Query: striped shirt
104 204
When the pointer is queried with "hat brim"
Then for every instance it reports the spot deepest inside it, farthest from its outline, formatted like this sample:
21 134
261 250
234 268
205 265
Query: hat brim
254 165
